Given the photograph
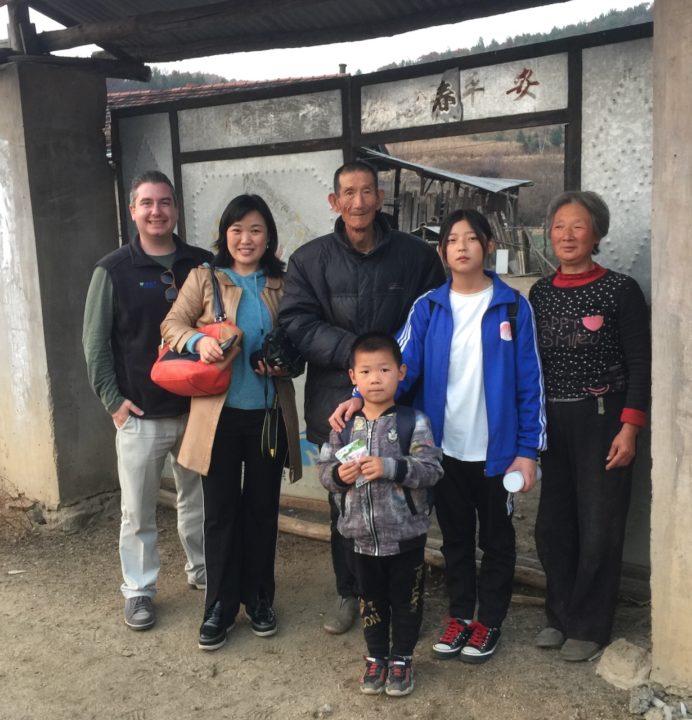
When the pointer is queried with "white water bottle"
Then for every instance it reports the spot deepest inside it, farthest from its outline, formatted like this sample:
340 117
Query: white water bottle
514 481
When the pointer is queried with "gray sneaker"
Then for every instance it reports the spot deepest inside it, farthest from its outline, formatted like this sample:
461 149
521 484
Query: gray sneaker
139 612
342 617
550 638
580 650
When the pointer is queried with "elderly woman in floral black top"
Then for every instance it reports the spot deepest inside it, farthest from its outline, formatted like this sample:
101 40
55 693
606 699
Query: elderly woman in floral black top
593 333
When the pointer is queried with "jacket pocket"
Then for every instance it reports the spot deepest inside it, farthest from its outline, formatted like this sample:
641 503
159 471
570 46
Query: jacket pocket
409 501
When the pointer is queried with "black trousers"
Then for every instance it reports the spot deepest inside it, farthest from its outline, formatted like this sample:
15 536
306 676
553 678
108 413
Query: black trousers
343 571
391 599
580 527
241 508
461 496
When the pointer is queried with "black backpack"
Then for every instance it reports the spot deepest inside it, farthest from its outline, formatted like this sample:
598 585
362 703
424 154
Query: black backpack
405 425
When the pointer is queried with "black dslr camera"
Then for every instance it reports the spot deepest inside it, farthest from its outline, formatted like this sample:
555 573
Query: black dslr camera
278 351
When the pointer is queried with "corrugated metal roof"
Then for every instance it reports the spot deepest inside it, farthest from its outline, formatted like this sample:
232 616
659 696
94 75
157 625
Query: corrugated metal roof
493 185
162 30
140 98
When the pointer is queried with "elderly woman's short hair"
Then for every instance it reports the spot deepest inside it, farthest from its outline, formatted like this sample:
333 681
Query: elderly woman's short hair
595 205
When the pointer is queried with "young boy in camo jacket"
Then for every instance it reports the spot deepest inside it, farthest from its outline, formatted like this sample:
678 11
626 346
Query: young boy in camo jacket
383 498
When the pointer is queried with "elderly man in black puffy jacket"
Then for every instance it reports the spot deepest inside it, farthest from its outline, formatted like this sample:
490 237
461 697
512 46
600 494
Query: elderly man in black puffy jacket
362 277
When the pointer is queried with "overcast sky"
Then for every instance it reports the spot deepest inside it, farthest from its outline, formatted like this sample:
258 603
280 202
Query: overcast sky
368 55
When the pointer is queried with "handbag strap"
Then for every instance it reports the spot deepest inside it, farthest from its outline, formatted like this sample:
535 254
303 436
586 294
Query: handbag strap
219 313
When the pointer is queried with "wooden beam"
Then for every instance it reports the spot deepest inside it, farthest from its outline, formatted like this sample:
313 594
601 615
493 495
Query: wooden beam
147 26
109 68
21 31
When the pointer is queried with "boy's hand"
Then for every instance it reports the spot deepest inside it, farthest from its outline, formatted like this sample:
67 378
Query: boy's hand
349 472
371 467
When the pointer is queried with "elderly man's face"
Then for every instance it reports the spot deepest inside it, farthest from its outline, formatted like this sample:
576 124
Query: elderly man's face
357 200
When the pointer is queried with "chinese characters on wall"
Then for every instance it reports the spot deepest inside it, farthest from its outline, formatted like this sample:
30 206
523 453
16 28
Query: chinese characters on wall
448 102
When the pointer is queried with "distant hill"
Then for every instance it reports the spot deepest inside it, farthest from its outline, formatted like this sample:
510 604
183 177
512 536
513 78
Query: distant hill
165 81
613 19
634 15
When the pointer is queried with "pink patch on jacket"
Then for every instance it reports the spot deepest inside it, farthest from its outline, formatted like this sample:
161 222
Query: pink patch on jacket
593 322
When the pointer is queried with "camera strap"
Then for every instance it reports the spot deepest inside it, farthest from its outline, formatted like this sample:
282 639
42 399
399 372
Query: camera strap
270 426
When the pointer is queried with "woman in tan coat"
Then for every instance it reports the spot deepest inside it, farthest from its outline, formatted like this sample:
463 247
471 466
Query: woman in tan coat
241 482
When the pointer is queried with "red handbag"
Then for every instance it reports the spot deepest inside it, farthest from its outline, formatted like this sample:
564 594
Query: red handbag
185 373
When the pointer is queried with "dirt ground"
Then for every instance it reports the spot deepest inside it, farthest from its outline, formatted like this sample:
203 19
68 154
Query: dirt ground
66 653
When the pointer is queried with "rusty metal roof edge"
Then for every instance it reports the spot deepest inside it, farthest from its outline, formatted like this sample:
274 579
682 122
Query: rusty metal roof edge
494 185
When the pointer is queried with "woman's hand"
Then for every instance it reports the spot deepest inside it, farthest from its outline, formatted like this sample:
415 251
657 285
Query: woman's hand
209 349
272 371
623 447
527 467
344 412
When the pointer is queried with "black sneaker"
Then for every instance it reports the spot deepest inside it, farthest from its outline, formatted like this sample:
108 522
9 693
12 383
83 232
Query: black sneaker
481 645
262 619
374 677
453 638
399 678
212 633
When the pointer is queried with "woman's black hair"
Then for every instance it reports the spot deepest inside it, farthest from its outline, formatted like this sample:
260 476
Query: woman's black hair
478 222
236 210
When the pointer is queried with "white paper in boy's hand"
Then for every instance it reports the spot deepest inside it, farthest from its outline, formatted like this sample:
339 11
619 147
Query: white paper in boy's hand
351 452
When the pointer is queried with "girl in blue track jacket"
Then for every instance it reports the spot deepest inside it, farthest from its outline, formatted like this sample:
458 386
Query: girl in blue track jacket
473 343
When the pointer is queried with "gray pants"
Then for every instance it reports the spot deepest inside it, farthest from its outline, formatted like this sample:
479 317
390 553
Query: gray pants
142 447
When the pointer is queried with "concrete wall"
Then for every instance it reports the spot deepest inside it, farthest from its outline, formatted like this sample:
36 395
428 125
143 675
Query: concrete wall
57 217
671 538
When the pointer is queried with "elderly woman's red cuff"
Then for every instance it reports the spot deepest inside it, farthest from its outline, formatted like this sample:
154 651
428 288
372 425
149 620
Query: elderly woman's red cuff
634 417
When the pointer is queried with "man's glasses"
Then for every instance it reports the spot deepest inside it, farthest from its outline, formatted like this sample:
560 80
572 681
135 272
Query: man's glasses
167 278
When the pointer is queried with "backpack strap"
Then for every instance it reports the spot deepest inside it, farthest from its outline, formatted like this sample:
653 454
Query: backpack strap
345 434
405 425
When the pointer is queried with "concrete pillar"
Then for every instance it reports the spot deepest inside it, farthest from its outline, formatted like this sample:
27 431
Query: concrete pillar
57 217
671 526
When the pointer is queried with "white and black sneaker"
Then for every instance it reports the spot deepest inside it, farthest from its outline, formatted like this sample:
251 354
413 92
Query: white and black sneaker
481 645
452 639
262 618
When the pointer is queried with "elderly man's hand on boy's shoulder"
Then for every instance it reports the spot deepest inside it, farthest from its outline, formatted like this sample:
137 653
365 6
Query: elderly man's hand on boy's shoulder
371 467
344 412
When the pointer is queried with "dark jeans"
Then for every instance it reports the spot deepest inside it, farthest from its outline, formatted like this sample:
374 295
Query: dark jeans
580 528
463 494
345 581
391 596
241 508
